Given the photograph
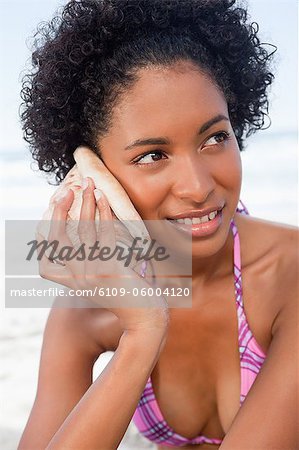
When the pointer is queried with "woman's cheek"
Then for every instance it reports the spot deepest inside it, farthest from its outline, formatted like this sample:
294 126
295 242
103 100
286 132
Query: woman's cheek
230 176
146 193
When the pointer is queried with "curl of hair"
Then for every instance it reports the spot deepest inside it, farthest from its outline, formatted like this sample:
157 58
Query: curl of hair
90 52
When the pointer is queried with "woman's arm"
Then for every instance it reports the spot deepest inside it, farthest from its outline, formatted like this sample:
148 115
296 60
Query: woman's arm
101 418
71 412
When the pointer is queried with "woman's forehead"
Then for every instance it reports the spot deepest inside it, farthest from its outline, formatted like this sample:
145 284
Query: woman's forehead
168 97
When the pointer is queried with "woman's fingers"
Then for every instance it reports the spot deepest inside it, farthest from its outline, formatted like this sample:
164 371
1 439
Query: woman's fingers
52 271
63 246
62 205
106 232
86 226
105 238
101 241
87 229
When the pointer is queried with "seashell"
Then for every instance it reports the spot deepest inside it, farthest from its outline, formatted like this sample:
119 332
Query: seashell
88 164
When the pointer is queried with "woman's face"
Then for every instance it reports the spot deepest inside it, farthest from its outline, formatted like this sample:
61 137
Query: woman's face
185 164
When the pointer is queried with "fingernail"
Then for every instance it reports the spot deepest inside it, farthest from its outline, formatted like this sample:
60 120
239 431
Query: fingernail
84 183
98 194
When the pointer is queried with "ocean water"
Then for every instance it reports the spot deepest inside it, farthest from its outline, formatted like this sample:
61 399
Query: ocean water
269 190
270 177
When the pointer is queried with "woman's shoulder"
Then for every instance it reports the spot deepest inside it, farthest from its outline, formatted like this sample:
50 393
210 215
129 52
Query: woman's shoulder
264 224
270 251
267 236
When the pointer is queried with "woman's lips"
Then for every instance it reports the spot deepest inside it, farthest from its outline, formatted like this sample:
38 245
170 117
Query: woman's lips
199 229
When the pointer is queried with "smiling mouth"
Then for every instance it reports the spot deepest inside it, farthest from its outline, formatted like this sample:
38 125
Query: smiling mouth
207 225
197 220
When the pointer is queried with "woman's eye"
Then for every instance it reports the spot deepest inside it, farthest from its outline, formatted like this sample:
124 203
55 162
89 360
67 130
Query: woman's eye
147 158
220 138
154 156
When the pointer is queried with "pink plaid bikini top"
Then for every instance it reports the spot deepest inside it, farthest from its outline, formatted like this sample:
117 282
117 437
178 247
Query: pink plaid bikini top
148 417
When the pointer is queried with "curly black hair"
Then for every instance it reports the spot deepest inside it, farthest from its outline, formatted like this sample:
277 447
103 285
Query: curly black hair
90 53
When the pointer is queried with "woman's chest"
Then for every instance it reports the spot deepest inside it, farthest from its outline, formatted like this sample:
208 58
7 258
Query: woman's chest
197 380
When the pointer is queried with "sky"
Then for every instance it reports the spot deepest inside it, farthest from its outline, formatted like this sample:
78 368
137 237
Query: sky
277 19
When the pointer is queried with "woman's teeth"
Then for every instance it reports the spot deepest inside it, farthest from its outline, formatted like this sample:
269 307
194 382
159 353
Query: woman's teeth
195 220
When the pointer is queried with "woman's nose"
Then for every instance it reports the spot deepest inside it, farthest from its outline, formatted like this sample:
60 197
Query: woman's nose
193 181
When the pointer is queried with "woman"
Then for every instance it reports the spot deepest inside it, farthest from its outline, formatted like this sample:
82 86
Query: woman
165 94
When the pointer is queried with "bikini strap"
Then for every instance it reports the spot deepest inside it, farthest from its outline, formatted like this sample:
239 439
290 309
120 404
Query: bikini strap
241 208
242 321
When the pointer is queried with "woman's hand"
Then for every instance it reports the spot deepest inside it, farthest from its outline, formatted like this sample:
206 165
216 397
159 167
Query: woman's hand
151 312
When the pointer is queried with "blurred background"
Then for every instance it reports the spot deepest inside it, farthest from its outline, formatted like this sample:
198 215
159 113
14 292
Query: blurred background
270 183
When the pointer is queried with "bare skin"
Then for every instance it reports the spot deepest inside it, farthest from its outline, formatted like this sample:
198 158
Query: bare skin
207 344
196 376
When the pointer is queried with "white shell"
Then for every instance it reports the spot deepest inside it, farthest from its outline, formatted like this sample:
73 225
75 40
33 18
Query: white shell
90 165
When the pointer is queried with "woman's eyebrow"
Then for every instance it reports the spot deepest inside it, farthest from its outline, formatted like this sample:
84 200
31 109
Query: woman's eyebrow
166 141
